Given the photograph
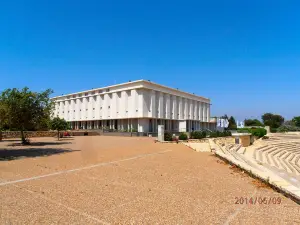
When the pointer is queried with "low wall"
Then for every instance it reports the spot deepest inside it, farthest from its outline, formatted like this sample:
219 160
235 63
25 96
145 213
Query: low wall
30 134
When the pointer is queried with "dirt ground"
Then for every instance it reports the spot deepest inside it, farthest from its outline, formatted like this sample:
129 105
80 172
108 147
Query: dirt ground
121 180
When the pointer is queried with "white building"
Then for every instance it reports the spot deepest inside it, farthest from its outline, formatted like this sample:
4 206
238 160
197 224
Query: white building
139 105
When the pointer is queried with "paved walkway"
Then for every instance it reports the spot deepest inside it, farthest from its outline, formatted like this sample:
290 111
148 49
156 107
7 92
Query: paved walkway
118 180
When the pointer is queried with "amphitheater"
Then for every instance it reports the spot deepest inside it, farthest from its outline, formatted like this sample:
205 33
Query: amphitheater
278 155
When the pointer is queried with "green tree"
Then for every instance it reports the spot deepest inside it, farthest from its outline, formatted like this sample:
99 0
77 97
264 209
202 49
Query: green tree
24 109
272 120
250 122
58 124
296 121
232 124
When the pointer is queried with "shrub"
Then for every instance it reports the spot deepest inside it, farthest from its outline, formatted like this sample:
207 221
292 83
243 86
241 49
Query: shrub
259 132
287 128
227 133
215 134
183 136
168 137
273 130
203 133
244 130
196 135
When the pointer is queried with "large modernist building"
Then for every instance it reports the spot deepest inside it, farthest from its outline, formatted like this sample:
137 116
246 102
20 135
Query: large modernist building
139 105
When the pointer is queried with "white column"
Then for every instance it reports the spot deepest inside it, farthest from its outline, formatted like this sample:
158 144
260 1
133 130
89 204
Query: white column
208 112
161 105
175 109
191 109
186 109
168 113
180 108
195 110
153 109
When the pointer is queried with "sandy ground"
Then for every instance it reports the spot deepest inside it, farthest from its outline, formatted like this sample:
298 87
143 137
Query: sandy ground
120 180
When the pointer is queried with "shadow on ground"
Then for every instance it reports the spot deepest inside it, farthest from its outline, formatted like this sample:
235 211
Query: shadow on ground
41 143
12 154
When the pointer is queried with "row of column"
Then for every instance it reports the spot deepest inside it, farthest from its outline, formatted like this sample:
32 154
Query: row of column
127 124
130 104
196 125
174 107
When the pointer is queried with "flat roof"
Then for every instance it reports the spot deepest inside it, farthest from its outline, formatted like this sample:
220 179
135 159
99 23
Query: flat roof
131 82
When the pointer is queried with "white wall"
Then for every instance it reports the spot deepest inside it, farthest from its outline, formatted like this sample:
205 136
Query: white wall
132 101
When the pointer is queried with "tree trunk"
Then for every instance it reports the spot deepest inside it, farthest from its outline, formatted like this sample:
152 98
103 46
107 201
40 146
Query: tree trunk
58 135
23 137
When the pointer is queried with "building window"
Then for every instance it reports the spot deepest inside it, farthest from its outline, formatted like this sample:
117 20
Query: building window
107 90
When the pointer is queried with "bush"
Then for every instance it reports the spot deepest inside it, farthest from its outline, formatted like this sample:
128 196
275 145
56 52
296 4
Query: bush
244 130
227 133
215 134
259 132
183 136
168 137
273 130
196 135
287 128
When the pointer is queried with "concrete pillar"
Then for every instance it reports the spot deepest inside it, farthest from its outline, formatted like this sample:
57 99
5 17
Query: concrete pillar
161 132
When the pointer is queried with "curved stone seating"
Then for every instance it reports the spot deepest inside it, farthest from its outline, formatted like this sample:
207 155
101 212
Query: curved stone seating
283 155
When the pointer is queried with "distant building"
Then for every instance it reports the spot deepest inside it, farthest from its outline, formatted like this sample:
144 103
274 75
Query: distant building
139 105
222 123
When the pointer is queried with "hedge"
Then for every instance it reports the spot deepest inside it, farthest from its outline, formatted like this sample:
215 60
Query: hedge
258 132
168 137
220 134
183 136
198 134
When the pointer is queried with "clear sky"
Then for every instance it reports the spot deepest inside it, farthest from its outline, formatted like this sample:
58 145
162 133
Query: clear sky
244 55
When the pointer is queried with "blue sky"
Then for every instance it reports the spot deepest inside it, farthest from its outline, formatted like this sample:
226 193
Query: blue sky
244 55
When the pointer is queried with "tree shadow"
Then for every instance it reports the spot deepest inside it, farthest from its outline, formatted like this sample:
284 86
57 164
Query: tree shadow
41 143
13 154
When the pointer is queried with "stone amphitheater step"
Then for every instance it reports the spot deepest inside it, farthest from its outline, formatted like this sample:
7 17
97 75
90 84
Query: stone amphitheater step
297 160
273 157
286 162
242 158
242 151
292 157
297 168
286 146
280 164
257 154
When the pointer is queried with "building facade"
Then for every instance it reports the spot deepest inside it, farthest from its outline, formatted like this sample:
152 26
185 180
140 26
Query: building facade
135 106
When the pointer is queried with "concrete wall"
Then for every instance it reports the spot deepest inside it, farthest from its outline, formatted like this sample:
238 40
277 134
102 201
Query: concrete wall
139 99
